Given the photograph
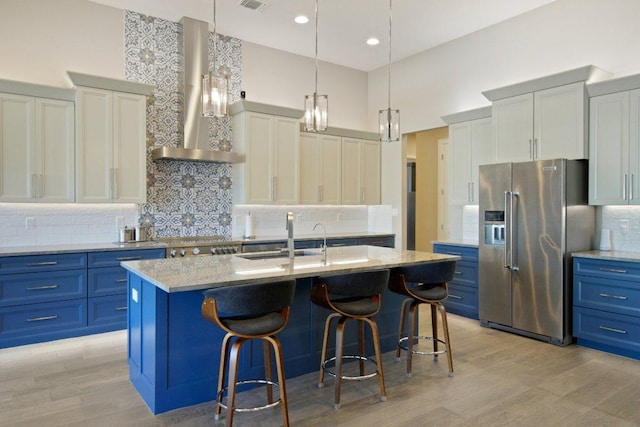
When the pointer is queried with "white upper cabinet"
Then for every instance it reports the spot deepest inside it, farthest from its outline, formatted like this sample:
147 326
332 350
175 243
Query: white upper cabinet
270 145
320 169
36 149
542 119
614 142
360 171
469 147
111 149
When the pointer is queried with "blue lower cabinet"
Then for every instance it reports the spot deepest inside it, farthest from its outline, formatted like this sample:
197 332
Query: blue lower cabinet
463 289
26 324
108 311
49 286
107 281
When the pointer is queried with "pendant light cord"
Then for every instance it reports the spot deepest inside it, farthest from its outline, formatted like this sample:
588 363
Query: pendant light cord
389 69
316 88
215 36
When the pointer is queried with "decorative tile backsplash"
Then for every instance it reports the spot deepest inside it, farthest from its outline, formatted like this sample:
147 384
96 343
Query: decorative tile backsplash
183 198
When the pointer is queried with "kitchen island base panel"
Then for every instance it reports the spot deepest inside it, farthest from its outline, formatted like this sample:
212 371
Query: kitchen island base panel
174 352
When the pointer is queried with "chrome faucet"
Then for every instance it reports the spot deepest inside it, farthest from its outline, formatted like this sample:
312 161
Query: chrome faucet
323 248
290 247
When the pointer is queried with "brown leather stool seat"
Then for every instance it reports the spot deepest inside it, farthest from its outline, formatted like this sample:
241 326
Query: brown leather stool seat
350 296
423 284
245 312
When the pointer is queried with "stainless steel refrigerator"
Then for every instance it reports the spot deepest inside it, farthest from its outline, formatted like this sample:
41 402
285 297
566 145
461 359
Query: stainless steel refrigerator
533 215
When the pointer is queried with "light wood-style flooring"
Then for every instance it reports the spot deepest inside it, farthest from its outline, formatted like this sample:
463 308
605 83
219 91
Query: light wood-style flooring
500 380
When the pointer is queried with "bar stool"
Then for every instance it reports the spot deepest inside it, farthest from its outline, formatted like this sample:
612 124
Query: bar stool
248 312
350 296
428 286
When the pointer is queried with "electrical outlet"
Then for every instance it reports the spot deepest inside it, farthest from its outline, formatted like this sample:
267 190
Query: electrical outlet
624 226
30 222
338 217
299 218
119 222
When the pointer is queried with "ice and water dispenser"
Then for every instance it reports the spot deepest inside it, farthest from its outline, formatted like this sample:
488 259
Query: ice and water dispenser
494 227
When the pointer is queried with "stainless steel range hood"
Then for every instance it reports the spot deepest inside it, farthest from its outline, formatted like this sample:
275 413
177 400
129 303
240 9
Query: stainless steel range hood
193 45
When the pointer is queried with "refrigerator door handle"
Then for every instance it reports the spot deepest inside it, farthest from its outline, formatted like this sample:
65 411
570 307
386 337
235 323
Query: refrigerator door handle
507 243
513 227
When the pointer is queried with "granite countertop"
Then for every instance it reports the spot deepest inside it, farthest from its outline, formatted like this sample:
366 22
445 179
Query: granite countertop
609 255
77 247
195 273
457 242
313 236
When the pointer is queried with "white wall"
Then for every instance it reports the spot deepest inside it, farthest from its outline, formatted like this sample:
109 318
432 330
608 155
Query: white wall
276 77
42 39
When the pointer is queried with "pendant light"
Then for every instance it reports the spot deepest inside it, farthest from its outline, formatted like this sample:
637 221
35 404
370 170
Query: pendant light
215 86
389 118
316 107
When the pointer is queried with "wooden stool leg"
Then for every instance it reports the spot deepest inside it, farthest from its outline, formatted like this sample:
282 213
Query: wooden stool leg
339 354
224 357
361 344
325 343
234 355
376 348
268 372
277 349
403 312
412 333
445 327
434 330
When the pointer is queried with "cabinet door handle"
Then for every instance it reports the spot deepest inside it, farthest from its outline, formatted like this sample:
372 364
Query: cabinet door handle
613 270
530 150
618 331
631 188
471 195
39 264
121 308
624 188
453 253
39 288
34 191
121 280
536 154
362 194
454 296
459 273
339 244
468 191
622 297
40 319
128 258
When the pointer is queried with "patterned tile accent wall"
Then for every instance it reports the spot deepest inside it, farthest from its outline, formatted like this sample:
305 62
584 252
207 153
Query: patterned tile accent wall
183 198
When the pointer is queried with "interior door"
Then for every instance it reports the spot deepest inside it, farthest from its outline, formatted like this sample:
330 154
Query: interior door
537 281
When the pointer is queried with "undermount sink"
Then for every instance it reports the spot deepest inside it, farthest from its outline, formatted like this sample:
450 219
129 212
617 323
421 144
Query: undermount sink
276 254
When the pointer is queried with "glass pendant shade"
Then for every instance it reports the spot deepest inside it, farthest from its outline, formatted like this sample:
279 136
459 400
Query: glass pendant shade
389 125
316 113
215 95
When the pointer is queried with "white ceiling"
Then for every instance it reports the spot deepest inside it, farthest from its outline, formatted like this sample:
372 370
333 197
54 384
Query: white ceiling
343 25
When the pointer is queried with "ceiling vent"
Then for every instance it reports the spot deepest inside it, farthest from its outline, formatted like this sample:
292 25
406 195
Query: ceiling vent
253 4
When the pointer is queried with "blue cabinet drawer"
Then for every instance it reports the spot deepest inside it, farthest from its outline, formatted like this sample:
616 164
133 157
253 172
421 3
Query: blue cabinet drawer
108 310
462 300
619 296
466 274
114 258
45 286
385 242
605 268
107 281
466 253
607 328
342 242
42 318
31 263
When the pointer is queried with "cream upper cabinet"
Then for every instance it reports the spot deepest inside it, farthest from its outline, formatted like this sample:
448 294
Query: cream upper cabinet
36 149
111 149
270 146
320 169
546 124
360 171
469 147
614 149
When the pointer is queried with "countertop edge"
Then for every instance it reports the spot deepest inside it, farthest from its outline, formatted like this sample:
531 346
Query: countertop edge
609 255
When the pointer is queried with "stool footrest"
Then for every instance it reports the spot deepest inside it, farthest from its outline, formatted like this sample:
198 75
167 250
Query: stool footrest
256 408
355 357
402 345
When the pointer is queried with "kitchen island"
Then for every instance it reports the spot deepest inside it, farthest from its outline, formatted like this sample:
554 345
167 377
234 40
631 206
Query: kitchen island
174 353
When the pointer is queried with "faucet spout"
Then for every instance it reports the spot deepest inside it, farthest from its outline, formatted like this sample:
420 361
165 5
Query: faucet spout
290 245
324 244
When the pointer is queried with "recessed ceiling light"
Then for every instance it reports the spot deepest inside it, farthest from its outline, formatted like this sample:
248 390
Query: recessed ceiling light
301 19
372 41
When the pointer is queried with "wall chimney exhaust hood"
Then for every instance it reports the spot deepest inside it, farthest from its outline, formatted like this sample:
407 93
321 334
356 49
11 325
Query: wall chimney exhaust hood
193 45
